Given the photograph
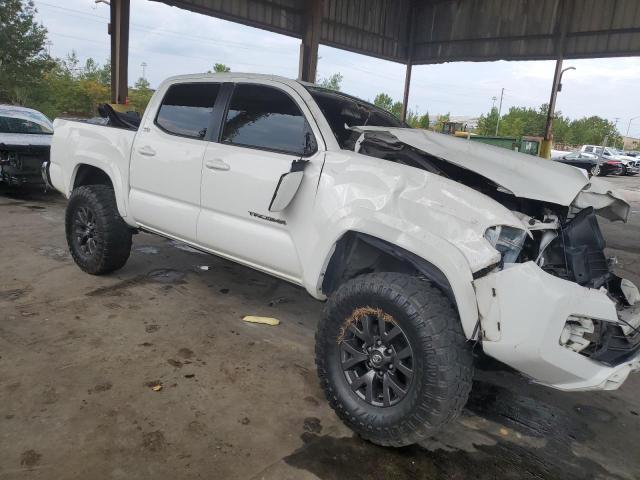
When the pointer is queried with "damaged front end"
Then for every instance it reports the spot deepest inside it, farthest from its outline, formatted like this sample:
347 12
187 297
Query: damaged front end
22 164
25 142
601 311
552 306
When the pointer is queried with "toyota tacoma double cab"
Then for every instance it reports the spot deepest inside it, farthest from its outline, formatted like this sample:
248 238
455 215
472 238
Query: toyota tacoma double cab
423 245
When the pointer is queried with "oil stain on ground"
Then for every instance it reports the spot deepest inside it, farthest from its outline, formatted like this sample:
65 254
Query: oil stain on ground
162 275
502 434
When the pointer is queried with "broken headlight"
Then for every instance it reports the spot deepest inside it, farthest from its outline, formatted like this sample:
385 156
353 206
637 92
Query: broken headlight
506 240
577 332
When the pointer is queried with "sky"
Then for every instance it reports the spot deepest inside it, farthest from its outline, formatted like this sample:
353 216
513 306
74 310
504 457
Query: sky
172 41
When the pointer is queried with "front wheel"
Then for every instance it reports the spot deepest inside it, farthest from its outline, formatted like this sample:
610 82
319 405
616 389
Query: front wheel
595 170
99 240
392 358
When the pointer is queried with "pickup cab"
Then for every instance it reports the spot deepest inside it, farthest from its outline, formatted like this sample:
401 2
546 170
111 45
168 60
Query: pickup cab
422 245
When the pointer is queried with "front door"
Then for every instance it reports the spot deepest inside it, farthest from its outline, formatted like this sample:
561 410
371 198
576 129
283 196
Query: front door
263 132
166 161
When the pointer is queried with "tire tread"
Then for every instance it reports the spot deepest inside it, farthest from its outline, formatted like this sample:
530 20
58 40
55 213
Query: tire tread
425 303
116 234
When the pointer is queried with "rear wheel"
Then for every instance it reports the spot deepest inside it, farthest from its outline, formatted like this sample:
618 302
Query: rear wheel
595 170
392 358
99 240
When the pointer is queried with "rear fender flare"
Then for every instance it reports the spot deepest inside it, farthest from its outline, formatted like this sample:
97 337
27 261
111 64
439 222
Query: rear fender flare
114 177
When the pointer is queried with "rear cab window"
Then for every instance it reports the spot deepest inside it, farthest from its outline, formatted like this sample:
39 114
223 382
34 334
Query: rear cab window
267 118
186 109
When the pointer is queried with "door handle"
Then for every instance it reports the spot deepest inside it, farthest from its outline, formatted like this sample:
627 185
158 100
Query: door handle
147 151
217 164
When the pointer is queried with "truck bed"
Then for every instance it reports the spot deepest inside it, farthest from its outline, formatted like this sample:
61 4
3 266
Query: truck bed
80 143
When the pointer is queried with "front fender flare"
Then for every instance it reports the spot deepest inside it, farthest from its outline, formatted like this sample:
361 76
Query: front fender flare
439 253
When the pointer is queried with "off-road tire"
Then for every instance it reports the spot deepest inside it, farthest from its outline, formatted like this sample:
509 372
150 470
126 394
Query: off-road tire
443 366
112 234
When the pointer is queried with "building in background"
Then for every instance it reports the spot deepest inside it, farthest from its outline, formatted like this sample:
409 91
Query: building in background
630 143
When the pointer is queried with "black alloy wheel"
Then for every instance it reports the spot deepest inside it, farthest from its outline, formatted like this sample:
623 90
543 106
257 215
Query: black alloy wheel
392 357
99 240
377 358
84 228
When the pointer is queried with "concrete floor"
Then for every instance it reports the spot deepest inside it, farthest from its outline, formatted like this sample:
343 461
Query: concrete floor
79 356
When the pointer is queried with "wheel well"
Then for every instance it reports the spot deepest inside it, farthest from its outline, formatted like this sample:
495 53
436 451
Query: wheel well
90 175
358 253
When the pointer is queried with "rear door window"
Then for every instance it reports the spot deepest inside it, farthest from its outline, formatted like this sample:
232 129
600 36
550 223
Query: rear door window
265 117
186 109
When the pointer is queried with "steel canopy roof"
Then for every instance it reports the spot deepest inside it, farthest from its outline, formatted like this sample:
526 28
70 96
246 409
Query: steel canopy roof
449 30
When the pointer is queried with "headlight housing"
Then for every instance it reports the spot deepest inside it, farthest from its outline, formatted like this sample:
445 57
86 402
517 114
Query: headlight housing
506 240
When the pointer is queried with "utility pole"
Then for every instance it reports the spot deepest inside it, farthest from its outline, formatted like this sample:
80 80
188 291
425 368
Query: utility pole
565 13
545 151
629 128
629 125
615 127
499 111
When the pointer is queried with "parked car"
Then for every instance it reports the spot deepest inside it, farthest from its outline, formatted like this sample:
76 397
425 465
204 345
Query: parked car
630 165
591 163
422 244
25 139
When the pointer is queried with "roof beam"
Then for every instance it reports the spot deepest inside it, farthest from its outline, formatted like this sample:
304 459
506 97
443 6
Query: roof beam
119 31
310 41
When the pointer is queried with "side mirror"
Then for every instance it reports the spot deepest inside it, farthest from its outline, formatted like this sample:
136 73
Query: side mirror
288 186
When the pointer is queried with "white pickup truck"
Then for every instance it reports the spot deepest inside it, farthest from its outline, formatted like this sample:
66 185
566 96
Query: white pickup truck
422 244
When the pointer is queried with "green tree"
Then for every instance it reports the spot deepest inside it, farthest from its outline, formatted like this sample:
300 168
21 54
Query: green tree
140 95
221 68
521 121
413 119
396 109
487 123
592 131
104 74
69 88
383 101
332 82
442 119
23 57
423 122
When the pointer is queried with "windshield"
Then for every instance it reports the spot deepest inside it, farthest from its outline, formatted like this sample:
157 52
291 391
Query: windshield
27 122
343 111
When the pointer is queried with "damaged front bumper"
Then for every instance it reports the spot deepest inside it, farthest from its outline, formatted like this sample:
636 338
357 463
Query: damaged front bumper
524 313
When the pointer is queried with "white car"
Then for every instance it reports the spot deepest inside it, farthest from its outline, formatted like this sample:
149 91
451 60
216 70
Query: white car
25 138
422 244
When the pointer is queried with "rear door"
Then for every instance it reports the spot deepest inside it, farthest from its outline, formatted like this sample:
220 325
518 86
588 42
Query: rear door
263 132
166 160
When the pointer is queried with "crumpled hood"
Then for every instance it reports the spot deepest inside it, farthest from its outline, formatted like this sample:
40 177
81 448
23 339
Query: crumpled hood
524 175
